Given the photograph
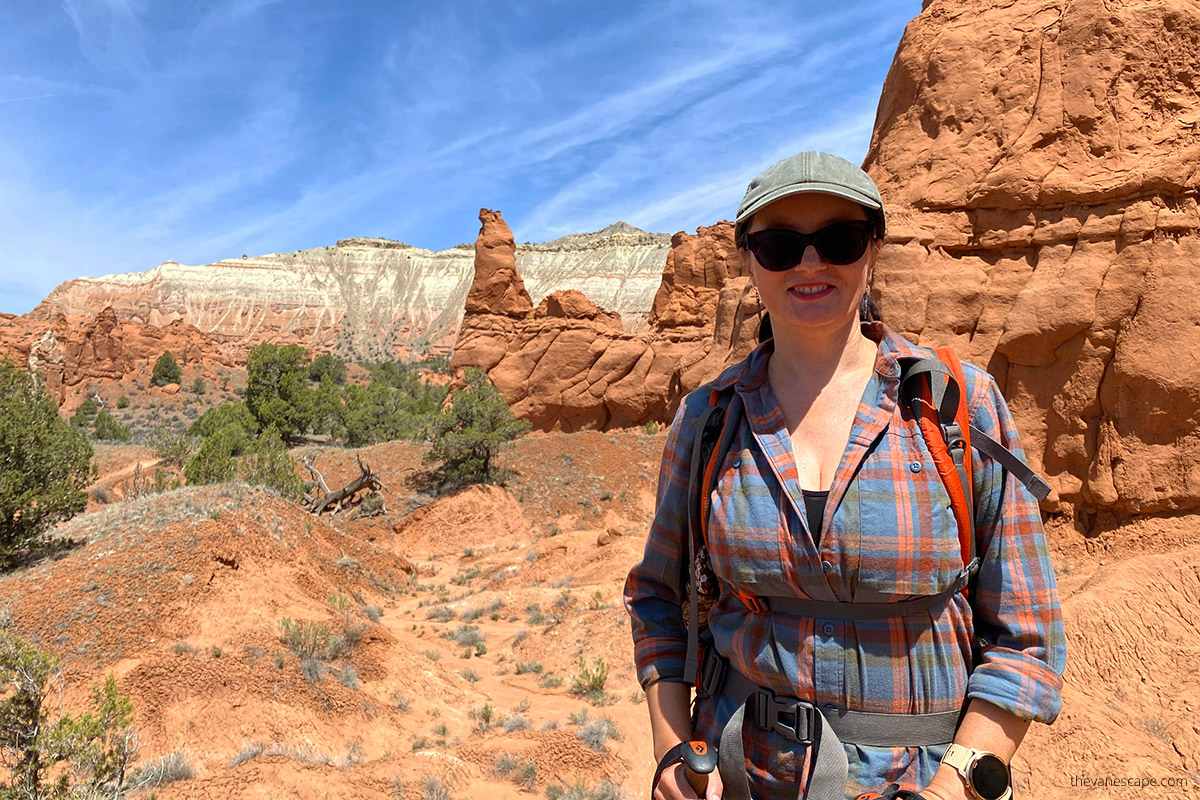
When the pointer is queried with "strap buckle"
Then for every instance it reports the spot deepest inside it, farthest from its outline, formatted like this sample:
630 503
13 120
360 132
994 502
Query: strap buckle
788 716
713 668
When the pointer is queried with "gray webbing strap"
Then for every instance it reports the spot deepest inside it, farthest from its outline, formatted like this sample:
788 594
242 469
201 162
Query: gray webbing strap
731 759
830 727
692 663
1003 456
867 728
823 609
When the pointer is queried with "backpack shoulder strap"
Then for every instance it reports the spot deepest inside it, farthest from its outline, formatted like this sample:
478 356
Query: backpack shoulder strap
936 392
710 444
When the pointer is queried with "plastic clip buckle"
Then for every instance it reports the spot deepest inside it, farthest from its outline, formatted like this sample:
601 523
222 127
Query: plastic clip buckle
769 708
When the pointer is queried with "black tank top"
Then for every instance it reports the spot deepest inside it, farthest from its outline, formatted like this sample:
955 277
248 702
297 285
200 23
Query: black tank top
814 507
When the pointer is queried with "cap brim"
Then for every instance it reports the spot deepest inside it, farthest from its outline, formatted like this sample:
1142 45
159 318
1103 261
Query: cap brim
808 188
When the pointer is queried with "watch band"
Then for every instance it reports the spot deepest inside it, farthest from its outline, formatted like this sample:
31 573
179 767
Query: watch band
964 761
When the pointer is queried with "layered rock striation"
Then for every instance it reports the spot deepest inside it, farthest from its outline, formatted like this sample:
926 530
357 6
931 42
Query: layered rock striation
570 365
1039 160
363 298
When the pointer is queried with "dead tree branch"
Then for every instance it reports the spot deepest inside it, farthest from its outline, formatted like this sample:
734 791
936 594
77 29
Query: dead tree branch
333 501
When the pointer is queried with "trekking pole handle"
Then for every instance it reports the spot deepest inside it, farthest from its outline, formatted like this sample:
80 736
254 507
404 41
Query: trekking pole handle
698 761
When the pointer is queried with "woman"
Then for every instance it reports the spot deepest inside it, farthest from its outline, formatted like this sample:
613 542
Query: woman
829 492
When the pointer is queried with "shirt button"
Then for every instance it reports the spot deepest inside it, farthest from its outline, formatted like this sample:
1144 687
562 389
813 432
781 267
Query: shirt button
827 629
737 462
915 466
825 565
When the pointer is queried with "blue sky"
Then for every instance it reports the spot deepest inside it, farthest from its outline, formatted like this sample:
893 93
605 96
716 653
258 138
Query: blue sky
135 131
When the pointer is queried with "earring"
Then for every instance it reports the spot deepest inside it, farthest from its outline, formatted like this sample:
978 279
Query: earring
758 306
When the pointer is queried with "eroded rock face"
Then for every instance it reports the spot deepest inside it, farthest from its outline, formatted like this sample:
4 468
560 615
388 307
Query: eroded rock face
1039 164
68 353
371 299
572 366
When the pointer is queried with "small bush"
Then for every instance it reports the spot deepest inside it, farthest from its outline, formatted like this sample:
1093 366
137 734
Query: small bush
174 766
198 386
306 639
249 752
503 764
311 669
484 717
108 429
516 722
440 613
528 666
470 675
469 435
525 775
348 675
122 402
589 681
433 789
550 682
595 734
268 463
467 636
172 446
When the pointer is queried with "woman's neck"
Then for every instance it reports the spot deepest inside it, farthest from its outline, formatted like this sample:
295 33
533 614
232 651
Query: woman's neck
813 360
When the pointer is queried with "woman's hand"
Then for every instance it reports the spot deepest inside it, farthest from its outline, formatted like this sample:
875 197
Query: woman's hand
674 785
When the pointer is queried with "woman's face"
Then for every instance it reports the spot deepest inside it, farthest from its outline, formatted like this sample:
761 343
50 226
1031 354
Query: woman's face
812 297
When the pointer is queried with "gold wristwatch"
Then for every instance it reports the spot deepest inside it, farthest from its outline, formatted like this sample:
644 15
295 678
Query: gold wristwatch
986 775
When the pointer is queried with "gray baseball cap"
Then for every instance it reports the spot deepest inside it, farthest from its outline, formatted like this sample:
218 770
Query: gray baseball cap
810 171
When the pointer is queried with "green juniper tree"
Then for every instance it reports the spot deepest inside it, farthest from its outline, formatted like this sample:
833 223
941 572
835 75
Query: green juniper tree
469 434
45 463
166 370
277 390
98 747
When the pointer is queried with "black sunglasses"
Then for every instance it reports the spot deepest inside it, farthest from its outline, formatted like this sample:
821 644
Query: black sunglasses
779 249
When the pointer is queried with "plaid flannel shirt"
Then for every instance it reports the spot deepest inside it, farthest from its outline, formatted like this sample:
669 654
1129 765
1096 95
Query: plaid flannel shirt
888 535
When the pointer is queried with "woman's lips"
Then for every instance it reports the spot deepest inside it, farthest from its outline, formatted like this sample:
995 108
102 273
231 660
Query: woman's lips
811 291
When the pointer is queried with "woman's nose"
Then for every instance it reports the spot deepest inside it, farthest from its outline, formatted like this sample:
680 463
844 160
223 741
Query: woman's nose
810 258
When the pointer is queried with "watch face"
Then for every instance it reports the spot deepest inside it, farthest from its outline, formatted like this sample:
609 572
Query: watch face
989 777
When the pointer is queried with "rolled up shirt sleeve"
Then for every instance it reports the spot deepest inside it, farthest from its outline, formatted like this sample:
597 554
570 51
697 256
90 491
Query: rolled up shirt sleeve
654 589
1017 616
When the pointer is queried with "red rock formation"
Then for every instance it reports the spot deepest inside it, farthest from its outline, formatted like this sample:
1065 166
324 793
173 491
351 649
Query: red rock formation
497 288
1038 159
570 366
69 353
697 268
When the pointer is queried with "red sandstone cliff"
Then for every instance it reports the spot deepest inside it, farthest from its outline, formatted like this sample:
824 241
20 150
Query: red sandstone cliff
1039 159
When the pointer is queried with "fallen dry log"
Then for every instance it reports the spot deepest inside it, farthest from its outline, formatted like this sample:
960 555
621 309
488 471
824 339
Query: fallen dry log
318 502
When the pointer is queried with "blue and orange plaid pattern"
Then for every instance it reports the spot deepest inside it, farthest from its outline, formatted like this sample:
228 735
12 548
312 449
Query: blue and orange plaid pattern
889 534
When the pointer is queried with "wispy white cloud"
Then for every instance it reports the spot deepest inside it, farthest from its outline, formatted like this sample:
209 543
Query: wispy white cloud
30 97
110 34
